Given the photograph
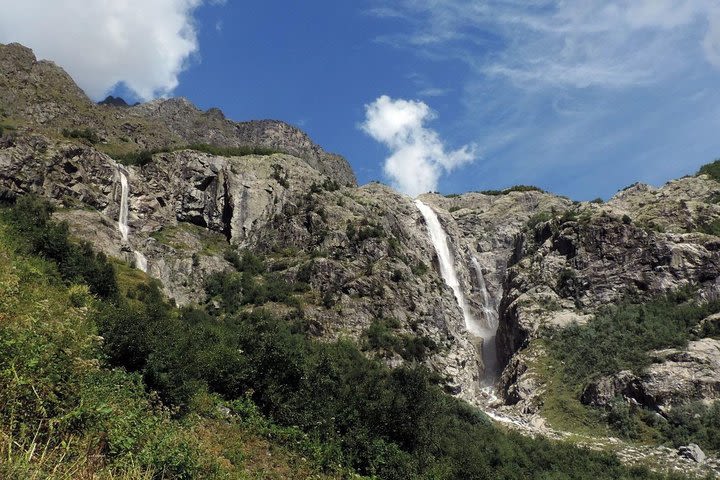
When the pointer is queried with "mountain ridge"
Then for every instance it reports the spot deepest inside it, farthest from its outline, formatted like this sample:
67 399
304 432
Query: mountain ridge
361 258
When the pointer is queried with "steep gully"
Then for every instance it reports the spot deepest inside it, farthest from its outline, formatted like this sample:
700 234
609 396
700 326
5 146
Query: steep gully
123 227
482 330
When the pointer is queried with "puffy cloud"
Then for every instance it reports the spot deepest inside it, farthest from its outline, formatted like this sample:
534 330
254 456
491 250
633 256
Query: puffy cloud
418 157
143 43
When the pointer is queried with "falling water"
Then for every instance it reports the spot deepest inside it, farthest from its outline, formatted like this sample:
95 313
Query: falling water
123 217
140 260
490 319
447 271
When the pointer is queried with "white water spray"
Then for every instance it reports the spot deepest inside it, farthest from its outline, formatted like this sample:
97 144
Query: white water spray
140 260
123 217
490 318
447 271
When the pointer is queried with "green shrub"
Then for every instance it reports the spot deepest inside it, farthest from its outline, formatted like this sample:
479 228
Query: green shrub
83 134
30 218
514 188
539 218
419 269
712 169
620 337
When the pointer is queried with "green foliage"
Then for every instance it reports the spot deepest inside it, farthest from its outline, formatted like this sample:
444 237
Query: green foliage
60 412
327 185
626 219
712 169
381 336
246 262
138 159
419 269
364 231
568 284
280 175
83 134
620 337
239 151
38 234
514 188
711 227
539 218
326 399
143 157
693 422
597 200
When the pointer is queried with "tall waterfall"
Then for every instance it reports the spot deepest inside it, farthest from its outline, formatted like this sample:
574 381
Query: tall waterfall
140 260
447 270
123 217
490 319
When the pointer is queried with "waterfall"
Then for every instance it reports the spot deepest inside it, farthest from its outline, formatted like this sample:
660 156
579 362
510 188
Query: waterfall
123 217
490 320
447 270
140 260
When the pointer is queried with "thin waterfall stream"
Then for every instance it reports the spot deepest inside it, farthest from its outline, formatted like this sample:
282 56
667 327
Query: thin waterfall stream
484 331
123 227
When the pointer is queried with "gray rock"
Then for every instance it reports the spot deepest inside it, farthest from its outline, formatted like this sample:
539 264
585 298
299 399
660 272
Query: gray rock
692 452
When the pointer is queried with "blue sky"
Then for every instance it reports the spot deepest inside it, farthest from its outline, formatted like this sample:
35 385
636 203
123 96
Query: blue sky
581 98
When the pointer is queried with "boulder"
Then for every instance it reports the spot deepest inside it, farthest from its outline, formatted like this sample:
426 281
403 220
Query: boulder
692 452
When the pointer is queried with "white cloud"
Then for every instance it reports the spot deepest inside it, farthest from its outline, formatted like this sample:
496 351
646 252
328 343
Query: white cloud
418 157
584 43
143 43
580 96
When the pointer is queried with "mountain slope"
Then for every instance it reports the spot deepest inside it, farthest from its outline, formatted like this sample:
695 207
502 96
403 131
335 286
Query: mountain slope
206 197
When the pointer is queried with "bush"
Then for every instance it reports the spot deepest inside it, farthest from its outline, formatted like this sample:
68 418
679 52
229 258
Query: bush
83 134
539 218
143 157
31 219
620 337
515 188
419 269
712 169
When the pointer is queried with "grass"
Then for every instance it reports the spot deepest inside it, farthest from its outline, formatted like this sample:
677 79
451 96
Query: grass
127 154
181 235
64 414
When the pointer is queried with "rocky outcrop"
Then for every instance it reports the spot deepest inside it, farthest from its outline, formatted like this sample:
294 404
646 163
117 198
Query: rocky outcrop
42 97
692 452
677 376
364 251
568 266
194 126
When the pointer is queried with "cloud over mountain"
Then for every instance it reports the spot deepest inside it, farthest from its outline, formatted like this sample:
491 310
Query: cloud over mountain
418 156
142 43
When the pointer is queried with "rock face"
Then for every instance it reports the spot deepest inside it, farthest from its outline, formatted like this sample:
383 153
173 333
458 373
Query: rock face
42 97
677 376
526 260
356 247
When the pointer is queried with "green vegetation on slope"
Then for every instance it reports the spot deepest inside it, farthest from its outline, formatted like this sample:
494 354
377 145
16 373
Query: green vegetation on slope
621 338
74 406
712 169
143 157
